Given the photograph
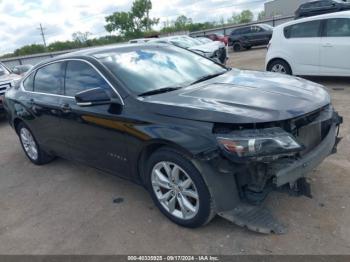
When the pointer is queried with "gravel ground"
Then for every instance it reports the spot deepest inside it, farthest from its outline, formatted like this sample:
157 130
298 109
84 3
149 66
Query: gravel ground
66 208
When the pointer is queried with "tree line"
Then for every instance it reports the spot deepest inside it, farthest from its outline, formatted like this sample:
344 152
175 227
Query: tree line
135 23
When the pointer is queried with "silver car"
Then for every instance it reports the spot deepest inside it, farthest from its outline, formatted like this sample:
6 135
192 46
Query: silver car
7 80
210 50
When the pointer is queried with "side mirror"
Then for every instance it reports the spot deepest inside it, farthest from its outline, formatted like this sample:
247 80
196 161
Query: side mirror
92 97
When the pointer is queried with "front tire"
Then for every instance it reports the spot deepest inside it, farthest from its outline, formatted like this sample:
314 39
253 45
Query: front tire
237 47
30 146
178 189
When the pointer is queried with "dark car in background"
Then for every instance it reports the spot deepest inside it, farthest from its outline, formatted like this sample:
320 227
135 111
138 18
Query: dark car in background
212 49
249 36
218 37
321 7
202 138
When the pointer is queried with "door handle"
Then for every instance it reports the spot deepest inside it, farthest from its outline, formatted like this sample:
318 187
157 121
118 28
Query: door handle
66 108
327 45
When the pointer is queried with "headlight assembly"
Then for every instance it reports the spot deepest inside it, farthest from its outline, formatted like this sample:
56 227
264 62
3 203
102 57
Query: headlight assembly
207 54
258 143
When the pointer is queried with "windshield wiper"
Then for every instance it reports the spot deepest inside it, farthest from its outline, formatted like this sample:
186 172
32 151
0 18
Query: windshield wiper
160 90
207 77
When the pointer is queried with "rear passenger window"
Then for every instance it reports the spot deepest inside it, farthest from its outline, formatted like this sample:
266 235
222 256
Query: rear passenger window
246 30
49 79
326 3
28 83
338 27
303 30
80 76
306 6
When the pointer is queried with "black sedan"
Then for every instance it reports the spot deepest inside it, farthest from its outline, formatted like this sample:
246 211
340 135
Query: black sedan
202 138
319 7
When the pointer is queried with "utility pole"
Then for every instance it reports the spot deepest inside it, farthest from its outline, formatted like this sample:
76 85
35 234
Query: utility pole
42 34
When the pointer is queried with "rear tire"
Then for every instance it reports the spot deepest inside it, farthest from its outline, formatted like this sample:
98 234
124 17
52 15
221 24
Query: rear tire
178 189
279 66
31 147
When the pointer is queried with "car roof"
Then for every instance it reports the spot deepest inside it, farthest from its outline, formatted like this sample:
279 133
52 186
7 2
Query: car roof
342 14
90 52
246 26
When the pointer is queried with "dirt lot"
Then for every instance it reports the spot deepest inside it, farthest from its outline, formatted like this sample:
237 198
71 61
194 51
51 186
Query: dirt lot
65 208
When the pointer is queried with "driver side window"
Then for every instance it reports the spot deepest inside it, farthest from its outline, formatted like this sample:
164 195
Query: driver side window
80 76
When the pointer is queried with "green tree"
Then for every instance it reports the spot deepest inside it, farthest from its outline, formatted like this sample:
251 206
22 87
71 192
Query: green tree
234 19
261 15
81 37
121 22
134 22
29 49
63 45
140 13
221 21
246 16
182 22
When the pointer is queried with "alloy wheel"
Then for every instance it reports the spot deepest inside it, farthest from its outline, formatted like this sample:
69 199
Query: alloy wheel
237 47
29 144
278 68
175 190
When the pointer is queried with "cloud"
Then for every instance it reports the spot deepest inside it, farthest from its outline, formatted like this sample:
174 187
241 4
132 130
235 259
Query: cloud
20 19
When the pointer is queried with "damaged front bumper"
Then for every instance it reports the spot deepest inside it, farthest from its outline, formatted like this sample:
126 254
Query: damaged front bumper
286 173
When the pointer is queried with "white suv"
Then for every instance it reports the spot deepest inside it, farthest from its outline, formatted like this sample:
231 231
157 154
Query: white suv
318 45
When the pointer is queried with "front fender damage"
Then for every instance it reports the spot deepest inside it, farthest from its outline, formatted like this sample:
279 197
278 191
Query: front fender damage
238 189
219 175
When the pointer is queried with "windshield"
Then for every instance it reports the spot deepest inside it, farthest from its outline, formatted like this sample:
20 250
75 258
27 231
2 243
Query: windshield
181 43
192 40
150 68
4 70
185 41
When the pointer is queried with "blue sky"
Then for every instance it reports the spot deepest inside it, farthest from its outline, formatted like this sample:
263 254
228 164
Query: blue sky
20 19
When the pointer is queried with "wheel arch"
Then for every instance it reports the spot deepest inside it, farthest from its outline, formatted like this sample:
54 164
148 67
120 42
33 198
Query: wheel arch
276 59
16 122
152 146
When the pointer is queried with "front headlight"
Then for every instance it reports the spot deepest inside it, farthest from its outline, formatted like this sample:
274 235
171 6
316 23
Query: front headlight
207 54
256 143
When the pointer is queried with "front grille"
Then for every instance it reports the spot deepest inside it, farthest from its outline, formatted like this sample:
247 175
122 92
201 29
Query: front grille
3 88
314 129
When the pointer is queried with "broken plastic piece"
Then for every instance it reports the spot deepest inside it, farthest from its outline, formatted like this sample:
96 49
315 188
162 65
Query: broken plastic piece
258 219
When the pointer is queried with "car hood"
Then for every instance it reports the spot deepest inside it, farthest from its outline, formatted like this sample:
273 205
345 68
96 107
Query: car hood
9 78
242 97
206 48
217 44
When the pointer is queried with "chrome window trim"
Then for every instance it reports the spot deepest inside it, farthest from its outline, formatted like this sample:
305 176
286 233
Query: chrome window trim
67 60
